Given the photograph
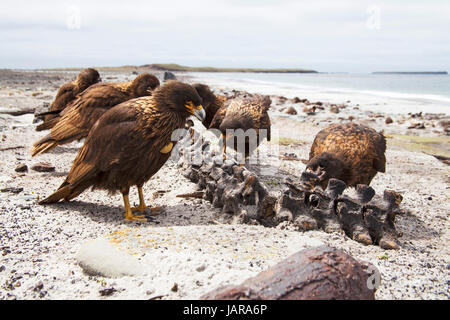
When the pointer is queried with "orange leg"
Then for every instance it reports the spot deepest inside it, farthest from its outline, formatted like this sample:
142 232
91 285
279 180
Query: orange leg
142 206
129 216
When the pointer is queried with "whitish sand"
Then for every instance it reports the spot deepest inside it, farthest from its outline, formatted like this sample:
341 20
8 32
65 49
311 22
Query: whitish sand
39 245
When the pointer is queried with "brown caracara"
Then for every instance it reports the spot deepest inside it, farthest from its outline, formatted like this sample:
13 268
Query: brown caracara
68 92
245 114
211 102
76 120
130 143
349 152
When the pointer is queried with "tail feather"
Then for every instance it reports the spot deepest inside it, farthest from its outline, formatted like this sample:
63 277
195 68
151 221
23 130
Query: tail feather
62 193
49 112
48 124
45 144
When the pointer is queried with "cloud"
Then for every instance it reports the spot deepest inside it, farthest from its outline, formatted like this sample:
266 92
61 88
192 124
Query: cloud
323 34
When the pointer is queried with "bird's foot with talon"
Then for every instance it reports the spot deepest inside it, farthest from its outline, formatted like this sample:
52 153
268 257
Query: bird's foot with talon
156 211
131 217
153 211
140 208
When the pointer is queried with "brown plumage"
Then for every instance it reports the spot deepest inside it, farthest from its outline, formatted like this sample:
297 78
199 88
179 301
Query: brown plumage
350 152
211 102
76 120
245 114
130 143
67 93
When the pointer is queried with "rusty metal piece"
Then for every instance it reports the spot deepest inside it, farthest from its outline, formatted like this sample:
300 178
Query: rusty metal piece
320 273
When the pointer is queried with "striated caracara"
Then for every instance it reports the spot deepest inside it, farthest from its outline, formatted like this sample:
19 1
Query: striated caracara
349 152
211 102
67 93
77 119
130 143
245 114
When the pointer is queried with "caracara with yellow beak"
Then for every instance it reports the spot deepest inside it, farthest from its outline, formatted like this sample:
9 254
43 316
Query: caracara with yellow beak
130 143
77 119
68 92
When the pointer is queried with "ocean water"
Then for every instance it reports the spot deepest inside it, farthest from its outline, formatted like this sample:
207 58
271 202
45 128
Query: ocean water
389 93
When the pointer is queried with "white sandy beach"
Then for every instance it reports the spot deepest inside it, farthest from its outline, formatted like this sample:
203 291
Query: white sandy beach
192 244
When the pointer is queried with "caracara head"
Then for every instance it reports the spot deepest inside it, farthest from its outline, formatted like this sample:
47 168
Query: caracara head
88 77
326 166
144 84
180 97
205 93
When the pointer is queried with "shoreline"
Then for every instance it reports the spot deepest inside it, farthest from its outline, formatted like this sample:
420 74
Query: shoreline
389 102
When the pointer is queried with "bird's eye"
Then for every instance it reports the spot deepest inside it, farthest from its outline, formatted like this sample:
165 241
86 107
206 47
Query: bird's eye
191 107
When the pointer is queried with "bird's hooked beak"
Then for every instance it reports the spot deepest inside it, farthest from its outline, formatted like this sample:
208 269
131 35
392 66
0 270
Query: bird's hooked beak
196 111
319 172
200 114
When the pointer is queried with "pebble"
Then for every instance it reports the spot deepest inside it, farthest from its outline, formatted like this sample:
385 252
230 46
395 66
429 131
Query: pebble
43 167
21 168
291 110
107 292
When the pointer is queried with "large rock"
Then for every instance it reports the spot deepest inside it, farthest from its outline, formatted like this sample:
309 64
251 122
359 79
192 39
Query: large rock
100 257
169 76
311 274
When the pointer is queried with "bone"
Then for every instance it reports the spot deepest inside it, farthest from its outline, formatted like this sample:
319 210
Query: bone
335 188
244 198
364 193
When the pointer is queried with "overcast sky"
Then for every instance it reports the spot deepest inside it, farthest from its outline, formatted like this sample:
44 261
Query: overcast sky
325 35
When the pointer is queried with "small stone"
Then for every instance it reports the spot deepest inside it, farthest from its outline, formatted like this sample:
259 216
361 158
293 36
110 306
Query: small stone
291 110
198 283
21 168
12 190
107 292
417 126
334 109
169 76
174 287
388 120
38 287
201 268
43 167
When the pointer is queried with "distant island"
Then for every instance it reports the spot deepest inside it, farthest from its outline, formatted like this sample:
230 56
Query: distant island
410 72
179 68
